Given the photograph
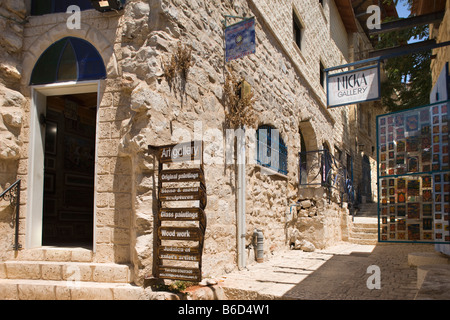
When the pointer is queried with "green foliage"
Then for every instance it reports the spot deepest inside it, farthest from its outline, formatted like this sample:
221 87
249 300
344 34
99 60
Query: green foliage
175 287
408 81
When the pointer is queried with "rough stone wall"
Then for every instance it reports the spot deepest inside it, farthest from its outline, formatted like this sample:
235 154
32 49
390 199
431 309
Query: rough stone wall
140 107
166 113
12 104
441 33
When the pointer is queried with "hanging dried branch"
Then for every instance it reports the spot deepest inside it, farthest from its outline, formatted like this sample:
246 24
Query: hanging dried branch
238 103
180 62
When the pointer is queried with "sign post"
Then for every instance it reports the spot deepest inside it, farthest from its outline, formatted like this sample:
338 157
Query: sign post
175 222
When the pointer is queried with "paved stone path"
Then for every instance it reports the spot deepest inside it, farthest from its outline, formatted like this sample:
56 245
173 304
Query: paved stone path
337 273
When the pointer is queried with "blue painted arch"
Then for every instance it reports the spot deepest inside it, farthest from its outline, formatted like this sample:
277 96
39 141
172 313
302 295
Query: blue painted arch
68 59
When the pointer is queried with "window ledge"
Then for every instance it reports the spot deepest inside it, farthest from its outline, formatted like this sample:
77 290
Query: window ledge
270 172
299 51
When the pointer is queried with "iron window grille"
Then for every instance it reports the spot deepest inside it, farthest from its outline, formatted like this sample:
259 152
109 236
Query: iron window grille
271 149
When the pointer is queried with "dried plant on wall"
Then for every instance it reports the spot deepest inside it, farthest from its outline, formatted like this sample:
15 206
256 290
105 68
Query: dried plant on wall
238 102
179 63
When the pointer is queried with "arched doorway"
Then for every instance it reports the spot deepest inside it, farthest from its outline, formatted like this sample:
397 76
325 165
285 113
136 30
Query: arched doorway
65 82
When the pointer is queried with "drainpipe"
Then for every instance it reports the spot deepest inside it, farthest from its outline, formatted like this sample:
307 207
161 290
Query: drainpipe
241 199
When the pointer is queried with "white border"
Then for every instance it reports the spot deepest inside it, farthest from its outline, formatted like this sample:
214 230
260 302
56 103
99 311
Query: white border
35 185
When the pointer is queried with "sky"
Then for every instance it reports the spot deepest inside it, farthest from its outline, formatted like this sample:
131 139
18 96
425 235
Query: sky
402 9
403 12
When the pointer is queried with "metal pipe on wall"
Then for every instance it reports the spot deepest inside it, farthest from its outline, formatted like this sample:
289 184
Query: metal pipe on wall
241 188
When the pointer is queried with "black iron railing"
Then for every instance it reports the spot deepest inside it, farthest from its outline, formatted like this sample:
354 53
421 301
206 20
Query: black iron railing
321 168
12 194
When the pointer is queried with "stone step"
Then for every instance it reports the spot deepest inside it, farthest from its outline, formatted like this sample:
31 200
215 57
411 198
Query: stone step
363 241
56 254
63 271
363 235
365 228
19 289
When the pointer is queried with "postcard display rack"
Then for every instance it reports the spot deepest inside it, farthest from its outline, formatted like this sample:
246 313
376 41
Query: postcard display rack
414 175
181 218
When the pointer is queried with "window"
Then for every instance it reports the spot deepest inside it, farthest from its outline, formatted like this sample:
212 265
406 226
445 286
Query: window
323 77
68 59
349 167
298 30
303 160
40 7
271 149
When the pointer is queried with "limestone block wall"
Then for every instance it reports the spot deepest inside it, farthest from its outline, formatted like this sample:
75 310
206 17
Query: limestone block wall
138 107
12 105
164 112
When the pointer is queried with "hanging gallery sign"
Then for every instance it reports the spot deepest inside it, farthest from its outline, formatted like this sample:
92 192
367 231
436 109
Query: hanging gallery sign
414 175
181 220
355 86
240 39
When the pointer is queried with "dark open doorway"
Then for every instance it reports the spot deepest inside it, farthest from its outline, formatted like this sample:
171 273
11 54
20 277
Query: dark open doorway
69 170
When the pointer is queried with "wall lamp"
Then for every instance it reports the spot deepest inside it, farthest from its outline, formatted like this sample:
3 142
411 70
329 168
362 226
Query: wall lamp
107 5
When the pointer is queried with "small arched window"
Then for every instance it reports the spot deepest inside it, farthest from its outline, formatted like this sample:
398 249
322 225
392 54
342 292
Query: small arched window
271 149
69 59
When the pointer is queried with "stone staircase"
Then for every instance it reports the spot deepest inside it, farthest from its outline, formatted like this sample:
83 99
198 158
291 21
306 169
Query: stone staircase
365 225
65 274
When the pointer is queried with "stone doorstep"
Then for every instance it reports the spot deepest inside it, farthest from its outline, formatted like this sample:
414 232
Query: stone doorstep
63 271
17 289
56 254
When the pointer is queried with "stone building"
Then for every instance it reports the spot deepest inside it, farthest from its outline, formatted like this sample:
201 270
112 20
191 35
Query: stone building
439 31
84 94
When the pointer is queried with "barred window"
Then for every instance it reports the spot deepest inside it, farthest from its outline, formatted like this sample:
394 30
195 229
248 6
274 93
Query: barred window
271 149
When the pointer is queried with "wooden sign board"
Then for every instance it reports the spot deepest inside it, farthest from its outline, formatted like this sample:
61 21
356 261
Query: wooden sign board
182 251
181 152
179 273
179 257
183 194
179 250
182 214
182 175
180 191
180 233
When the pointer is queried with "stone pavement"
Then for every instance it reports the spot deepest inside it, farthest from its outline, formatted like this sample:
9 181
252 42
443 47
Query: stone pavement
335 273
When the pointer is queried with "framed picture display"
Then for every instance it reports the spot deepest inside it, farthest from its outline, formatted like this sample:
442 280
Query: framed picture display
414 175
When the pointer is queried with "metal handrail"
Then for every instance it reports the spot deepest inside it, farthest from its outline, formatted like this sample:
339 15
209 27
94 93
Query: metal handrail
12 194
333 174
